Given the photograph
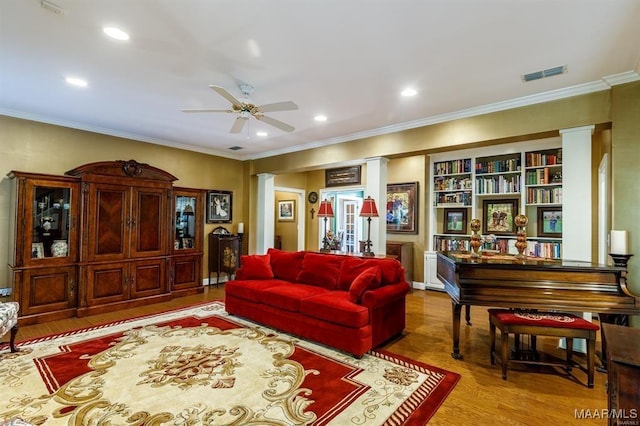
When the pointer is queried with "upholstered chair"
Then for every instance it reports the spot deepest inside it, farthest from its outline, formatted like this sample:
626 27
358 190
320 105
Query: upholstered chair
9 321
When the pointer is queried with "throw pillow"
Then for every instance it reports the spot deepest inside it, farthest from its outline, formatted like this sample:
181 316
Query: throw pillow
286 265
367 280
321 270
391 270
254 267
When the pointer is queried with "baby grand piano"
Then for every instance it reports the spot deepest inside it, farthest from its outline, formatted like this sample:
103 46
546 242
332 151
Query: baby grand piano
533 283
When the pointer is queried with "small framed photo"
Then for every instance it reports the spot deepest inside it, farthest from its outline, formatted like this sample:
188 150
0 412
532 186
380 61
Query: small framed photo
455 221
286 210
499 216
37 250
219 206
187 243
549 221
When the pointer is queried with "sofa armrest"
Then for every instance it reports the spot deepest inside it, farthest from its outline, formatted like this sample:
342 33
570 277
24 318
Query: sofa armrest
385 294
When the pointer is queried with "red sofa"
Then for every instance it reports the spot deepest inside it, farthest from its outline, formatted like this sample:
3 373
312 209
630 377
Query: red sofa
350 303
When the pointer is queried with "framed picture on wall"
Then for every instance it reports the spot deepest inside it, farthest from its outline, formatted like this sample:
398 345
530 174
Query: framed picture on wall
549 221
455 221
219 206
402 208
498 216
286 211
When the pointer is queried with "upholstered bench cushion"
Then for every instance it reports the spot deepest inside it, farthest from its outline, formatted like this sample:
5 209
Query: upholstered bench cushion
8 316
541 319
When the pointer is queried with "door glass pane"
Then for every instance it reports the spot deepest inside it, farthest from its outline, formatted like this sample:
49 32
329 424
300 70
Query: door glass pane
51 213
185 222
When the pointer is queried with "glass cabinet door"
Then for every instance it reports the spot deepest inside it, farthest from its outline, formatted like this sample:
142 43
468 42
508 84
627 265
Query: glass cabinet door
185 222
51 222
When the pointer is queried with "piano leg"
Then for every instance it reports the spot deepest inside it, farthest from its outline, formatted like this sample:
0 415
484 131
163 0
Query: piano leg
456 311
467 314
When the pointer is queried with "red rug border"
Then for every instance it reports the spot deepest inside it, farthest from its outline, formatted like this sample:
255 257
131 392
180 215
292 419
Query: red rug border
438 395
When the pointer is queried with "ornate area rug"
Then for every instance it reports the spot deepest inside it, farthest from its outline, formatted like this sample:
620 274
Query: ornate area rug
201 366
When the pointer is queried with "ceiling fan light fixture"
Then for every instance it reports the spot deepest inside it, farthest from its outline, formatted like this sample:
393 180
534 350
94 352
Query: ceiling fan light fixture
116 33
262 134
320 117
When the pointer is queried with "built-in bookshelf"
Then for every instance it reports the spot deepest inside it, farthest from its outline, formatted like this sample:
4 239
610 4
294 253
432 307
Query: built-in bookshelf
543 177
498 174
452 183
531 177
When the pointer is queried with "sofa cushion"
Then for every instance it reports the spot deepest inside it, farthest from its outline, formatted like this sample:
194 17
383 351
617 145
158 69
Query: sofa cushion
320 270
250 289
335 307
366 280
286 265
288 296
254 267
391 270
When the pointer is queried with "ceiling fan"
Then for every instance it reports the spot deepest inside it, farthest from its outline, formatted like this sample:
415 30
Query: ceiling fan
246 109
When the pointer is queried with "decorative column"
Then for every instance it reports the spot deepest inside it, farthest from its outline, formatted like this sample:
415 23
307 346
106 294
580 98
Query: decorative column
265 232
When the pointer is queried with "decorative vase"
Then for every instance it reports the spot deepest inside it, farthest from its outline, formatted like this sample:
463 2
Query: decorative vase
521 223
59 248
476 239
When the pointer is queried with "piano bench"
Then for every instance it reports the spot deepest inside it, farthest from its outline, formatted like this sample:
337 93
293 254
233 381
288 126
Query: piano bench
542 324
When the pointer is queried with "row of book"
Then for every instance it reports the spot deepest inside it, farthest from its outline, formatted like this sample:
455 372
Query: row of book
498 184
454 199
536 159
451 184
542 177
547 250
498 166
452 167
544 195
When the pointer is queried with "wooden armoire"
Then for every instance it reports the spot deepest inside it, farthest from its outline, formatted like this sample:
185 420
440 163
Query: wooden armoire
119 223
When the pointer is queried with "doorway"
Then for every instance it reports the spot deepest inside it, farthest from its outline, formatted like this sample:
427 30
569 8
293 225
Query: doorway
345 228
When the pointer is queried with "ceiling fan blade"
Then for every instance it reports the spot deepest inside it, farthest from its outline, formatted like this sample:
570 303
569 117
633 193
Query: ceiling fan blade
228 96
278 106
206 110
276 123
238 125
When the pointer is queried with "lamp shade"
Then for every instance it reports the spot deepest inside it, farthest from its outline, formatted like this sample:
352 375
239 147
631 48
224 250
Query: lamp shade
369 208
326 209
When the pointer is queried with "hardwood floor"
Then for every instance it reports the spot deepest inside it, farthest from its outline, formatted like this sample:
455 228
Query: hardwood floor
529 396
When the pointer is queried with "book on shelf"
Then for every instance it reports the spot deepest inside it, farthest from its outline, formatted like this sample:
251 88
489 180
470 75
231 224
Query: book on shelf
549 158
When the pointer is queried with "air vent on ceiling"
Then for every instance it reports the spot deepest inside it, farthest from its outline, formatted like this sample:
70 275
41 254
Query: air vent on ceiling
235 148
537 75
54 8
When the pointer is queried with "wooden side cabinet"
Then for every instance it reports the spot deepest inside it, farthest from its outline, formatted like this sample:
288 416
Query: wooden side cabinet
43 239
623 373
224 254
404 253
187 241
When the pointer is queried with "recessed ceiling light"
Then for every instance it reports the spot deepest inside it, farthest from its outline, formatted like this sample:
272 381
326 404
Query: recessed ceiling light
116 33
262 134
76 81
409 92
320 118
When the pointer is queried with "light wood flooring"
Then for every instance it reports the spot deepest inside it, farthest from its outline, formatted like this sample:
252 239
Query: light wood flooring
530 396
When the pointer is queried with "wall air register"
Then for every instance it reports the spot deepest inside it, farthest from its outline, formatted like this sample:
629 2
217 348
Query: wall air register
537 75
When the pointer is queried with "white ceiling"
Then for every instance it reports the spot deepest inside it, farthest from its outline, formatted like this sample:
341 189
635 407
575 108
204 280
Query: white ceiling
347 59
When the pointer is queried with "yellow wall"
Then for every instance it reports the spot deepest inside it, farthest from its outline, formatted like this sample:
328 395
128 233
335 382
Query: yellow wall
30 146
625 162
287 230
